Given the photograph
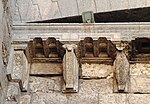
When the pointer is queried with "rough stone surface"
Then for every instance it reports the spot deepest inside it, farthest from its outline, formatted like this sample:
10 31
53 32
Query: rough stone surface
96 82
96 71
4 49
140 69
138 99
25 99
46 84
112 99
46 68
96 86
34 10
139 78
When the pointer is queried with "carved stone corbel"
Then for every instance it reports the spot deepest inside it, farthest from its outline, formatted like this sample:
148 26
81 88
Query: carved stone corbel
18 66
121 68
38 49
88 47
70 69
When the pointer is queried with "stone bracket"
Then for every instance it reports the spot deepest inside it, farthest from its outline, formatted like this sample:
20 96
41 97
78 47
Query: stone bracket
18 67
49 50
70 69
121 75
97 51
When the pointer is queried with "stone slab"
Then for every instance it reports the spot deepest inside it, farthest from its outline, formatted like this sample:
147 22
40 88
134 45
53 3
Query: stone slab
48 98
46 68
82 98
139 84
96 86
103 5
112 99
119 4
86 5
45 84
140 69
96 71
68 10
138 99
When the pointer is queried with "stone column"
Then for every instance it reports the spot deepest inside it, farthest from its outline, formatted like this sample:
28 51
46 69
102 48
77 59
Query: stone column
70 69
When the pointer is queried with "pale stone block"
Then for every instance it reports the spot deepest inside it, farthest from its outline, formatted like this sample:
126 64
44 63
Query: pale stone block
21 10
96 86
147 2
82 98
112 99
138 99
140 69
139 78
35 10
33 14
119 4
96 71
68 7
45 84
48 9
46 68
139 84
136 3
103 5
86 5
48 98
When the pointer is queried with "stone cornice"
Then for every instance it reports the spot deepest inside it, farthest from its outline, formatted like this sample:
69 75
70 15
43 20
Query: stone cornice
76 32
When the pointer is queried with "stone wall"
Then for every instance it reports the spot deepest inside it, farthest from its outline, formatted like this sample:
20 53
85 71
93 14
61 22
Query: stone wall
22 82
4 48
36 10
95 87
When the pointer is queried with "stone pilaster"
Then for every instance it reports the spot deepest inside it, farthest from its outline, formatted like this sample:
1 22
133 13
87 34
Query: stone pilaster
70 69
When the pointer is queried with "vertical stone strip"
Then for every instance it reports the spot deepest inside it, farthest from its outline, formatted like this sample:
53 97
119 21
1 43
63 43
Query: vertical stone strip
70 69
18 67
121 65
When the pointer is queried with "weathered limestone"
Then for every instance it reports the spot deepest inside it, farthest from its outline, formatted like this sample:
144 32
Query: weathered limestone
70 69
138 98
112 99
45 84
18 68
96 71
121 65
13 92
77 32
36 10
25 99
94 86
139 78
46 68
